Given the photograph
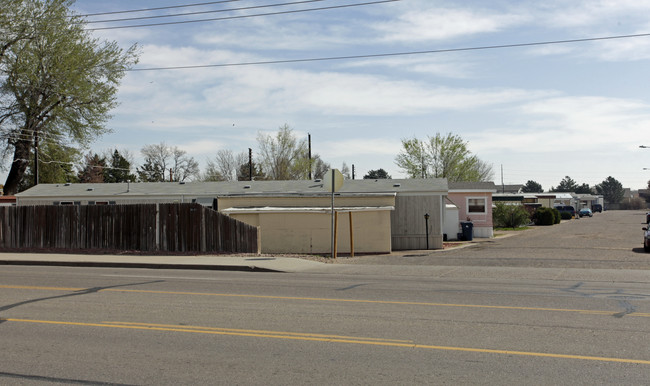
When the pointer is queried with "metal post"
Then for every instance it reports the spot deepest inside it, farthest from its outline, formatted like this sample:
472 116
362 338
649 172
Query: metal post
332 230
426 225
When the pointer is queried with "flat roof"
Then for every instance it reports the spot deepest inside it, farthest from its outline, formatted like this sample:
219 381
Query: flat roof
197 189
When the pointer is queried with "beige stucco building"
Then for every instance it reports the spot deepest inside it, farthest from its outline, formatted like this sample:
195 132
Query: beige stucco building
302 224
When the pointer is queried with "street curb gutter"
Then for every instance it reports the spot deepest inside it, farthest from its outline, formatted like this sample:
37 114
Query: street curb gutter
93 264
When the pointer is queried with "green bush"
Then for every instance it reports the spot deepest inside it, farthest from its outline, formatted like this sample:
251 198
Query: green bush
546 216
509 216
557 215
566 215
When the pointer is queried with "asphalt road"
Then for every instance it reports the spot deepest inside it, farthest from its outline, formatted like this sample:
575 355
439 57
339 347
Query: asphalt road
608 240
136 326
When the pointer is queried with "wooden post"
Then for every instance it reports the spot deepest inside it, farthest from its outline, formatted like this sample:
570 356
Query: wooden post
351 236
336 232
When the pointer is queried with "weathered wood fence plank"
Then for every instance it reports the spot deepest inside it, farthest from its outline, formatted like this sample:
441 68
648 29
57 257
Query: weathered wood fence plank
181 228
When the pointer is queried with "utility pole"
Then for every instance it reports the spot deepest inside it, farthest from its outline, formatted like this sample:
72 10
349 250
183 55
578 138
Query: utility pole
352 171
309 146
503 186
250 164
35 157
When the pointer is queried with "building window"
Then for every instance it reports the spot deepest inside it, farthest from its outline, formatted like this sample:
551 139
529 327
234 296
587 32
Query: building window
476 205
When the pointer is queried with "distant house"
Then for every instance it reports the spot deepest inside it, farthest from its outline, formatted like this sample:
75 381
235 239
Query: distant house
7 200
294 216
514 188
474 203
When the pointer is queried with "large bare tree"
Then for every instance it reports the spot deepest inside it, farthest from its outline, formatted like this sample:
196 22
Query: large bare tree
166 163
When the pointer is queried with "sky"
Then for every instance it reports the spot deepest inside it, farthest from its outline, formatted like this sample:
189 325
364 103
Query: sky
533 111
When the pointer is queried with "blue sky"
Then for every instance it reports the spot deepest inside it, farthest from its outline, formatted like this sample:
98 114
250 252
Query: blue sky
540 112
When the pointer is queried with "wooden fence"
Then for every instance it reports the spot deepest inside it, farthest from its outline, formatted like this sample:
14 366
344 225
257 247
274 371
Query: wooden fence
144 227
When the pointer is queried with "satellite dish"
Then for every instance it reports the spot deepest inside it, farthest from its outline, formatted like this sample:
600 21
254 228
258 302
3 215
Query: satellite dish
333 180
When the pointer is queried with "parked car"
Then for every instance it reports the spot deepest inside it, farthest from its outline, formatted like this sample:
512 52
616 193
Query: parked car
646 239
597 208
566 208
585 212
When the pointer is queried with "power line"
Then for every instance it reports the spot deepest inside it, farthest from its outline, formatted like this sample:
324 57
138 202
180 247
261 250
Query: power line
157 8
244 16
370 56
201 12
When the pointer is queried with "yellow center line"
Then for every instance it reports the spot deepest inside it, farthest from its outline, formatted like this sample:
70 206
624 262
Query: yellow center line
323 338
393 302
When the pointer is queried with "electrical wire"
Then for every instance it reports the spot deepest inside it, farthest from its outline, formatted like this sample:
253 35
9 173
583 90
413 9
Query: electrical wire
244 16
157 8
370 56
200 12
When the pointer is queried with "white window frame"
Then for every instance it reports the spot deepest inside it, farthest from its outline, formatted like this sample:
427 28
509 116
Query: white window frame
485 203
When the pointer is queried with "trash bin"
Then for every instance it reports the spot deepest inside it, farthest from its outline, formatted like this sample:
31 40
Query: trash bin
468 230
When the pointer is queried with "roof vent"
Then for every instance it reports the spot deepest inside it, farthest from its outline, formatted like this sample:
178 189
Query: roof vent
182 182
317 180
247 186
90 189
397 185
67 184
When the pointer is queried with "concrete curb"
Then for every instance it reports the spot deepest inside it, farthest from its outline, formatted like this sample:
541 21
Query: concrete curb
108 264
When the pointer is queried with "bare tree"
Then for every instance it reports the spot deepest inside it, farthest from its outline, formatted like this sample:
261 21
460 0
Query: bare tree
225 166
183 167
282 156
165 163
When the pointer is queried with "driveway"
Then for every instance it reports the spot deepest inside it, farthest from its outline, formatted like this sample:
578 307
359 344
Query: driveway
608 240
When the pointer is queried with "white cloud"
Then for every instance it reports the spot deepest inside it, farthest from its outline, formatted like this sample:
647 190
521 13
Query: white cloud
568 124
264 89
435 24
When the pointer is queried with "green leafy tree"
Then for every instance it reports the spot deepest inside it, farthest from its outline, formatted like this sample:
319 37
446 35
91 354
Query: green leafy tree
245 175
17 24
510 216
532 187
442 156
611 189
56 80
56 165
377 175
583 189
150 171
283 156
93 169
118 169
566 185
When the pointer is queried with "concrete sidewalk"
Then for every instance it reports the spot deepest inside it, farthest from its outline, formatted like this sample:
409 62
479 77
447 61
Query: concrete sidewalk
251 263
205 262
